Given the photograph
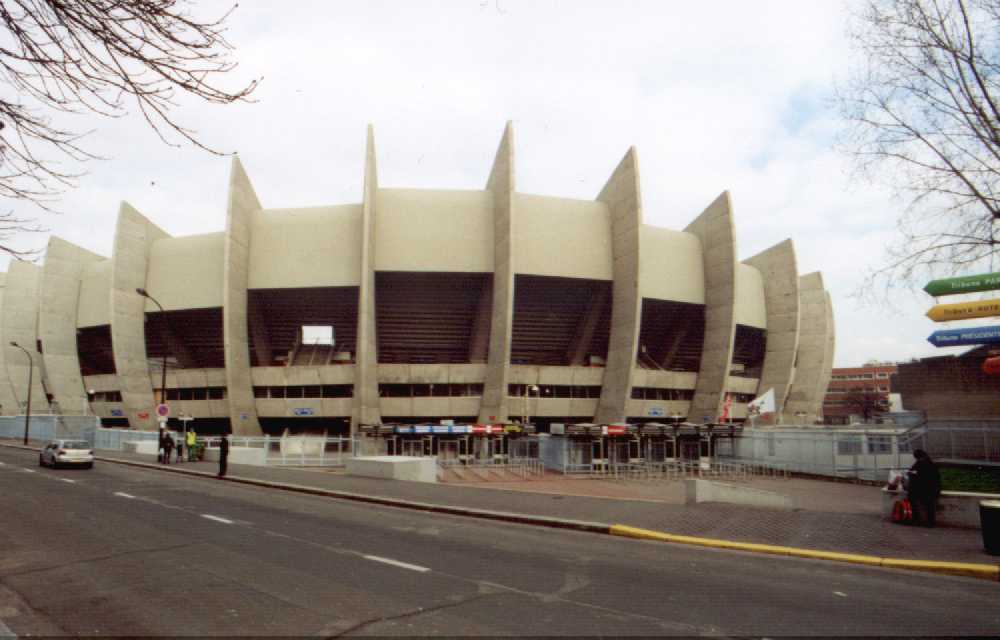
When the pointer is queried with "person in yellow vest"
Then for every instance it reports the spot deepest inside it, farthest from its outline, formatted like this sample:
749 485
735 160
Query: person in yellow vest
192 439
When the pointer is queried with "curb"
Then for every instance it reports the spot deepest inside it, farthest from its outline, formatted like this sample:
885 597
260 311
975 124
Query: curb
970 570
982 571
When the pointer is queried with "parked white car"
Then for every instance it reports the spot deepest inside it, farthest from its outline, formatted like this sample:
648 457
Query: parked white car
67 452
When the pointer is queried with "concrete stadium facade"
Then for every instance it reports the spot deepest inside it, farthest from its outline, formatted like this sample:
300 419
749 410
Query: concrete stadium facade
489 305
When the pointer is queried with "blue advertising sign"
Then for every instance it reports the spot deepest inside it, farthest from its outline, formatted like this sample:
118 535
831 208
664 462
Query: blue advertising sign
964 337
302 411
117 413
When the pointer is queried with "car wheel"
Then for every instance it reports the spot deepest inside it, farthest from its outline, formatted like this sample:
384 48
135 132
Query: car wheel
90 465
41 461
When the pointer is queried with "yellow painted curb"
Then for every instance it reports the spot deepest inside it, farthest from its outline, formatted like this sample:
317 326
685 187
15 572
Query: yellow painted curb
984 571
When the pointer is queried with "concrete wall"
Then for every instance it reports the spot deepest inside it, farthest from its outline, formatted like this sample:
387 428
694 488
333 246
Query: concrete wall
20 324
779 272
670 265
394 468
493 408
242 208
714 227
751 310
186 272
696 491
434 230
134 236
806 393
308 247
562 237
94 309
62 277
624 200
365 405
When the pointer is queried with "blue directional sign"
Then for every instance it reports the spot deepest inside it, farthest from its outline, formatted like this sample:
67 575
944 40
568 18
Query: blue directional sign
964 337
303 411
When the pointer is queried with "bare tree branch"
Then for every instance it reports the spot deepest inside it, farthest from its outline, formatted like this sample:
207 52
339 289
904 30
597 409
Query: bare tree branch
104 57
924 118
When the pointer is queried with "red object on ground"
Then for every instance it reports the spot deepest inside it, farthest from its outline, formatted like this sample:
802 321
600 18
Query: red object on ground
991 366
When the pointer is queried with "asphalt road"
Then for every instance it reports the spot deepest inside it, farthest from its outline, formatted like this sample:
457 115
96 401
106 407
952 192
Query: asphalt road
117 550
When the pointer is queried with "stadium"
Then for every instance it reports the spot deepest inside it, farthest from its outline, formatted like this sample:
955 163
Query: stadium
417 306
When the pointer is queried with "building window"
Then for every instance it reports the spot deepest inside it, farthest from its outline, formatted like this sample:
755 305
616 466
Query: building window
879 444
849 446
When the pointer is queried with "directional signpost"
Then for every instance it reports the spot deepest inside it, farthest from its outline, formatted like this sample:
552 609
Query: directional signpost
966 284
966 310
965 337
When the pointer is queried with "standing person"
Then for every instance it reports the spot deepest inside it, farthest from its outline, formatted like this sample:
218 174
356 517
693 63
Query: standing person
192 439
180 449
924 488
168 447
223 455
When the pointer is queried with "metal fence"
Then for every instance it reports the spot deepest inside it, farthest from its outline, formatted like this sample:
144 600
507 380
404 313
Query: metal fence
865 454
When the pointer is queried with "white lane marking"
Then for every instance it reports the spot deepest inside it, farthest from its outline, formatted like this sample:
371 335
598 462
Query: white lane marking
125 495
840 593
3 464
396 563
5 631
216 518
28 470
68 480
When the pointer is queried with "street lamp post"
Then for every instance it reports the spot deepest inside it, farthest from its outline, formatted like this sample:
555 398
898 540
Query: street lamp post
31 371
163 378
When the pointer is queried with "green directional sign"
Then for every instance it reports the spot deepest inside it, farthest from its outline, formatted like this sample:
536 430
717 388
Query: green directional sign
965 284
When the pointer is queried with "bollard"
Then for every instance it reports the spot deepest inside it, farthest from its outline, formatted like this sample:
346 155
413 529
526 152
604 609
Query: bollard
989 519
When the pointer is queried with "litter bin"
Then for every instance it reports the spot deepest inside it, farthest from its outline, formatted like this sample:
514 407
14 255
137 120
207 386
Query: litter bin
989 518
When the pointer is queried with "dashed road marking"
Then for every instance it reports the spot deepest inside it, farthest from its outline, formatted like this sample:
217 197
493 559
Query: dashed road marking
840 593
125 495
68 480
216 518
28 470
397 563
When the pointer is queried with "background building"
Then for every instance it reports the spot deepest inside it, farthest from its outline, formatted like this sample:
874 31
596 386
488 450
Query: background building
952 390
857 394
472 305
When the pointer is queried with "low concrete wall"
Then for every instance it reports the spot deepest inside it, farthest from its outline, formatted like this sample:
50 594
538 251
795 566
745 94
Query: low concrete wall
955 508
696 490
394 468
248 455
147 447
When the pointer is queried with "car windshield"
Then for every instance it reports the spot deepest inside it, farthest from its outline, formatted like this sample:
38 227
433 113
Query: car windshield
76 444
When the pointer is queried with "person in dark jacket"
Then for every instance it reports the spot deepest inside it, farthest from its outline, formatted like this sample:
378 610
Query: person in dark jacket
168 447
923 488
223 456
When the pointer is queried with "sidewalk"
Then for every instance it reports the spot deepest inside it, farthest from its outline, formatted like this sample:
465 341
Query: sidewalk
830 516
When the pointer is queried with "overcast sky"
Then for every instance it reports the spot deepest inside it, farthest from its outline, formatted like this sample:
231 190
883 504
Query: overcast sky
715 96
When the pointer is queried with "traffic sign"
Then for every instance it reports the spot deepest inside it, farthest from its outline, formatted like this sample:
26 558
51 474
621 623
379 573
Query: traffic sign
162 410
964 337
964 284
964 310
